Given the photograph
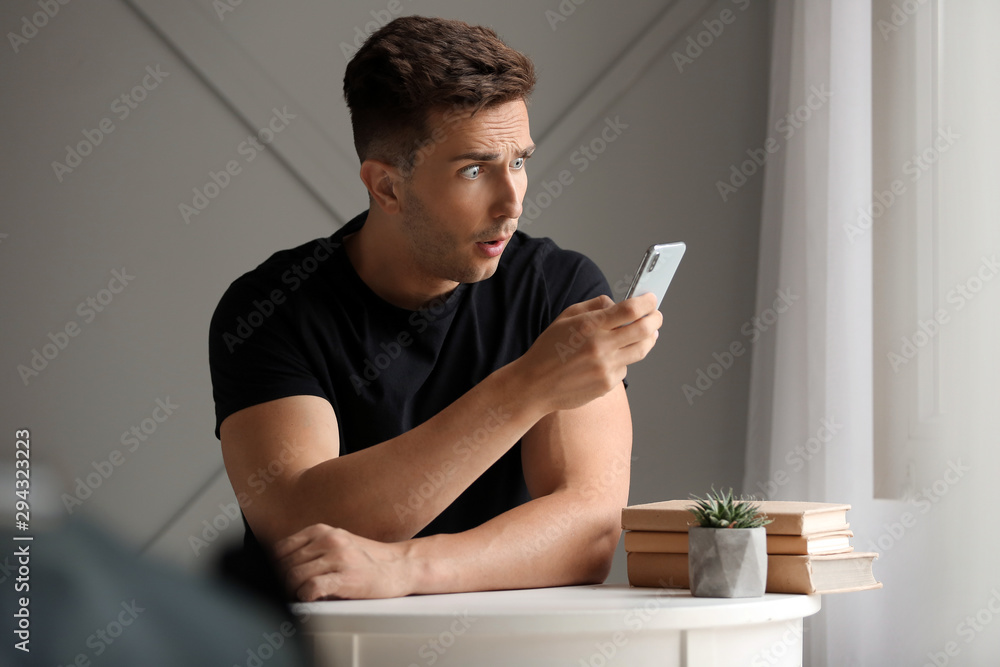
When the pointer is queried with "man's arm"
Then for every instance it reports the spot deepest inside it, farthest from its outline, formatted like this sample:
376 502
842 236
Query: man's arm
360 493
284 456
576 464
577 469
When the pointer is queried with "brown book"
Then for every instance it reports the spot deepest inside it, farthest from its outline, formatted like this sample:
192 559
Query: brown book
815 544
789 517
837 573
657 570
649 541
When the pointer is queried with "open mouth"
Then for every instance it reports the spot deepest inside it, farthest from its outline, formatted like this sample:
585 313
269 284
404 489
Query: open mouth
493 247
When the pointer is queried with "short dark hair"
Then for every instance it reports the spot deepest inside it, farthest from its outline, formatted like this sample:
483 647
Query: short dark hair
415 66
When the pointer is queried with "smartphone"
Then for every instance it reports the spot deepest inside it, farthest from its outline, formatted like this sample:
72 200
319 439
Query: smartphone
656 270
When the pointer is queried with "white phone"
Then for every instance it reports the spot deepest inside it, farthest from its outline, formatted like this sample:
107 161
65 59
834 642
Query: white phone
656 270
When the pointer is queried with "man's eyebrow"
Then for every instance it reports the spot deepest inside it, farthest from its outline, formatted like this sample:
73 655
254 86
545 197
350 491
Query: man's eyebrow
478 156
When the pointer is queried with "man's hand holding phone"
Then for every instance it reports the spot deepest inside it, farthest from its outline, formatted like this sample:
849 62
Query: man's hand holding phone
585 352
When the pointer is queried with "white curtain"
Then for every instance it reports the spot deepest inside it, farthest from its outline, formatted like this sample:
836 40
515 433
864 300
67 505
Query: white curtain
811 380
810 416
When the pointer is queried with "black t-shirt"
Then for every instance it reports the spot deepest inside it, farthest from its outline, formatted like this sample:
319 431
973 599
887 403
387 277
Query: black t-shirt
304 323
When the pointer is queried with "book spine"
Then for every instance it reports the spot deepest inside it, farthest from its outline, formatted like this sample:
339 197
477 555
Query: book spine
652 570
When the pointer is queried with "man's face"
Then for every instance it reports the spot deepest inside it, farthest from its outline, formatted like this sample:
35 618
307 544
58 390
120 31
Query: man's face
461 203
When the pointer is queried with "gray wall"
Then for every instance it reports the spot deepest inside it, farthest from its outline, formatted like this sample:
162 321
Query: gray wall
62 240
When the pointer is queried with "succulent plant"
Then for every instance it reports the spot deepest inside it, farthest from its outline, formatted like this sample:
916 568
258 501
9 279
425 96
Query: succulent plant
722 510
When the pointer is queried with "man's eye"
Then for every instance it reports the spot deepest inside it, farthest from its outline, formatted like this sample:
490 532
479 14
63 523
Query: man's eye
518 163
471 172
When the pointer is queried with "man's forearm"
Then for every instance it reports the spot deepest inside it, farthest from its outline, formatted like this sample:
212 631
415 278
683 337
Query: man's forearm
367 492
561 539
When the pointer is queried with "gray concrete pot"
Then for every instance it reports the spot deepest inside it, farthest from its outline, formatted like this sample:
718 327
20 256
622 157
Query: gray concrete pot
727 562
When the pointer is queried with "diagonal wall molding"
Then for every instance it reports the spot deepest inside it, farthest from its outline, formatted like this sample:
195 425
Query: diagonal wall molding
244 87
675 20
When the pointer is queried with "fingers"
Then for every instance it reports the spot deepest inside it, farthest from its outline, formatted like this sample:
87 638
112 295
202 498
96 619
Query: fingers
324 587
600 302
602 313
613 327
295 541
630 310
302 557
321 562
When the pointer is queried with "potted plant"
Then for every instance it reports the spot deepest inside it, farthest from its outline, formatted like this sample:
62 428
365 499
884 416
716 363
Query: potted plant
727 549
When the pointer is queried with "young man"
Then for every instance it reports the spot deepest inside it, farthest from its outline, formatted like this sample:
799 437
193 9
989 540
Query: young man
429 401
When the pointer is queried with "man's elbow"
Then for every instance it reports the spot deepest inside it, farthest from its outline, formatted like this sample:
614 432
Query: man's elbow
599 553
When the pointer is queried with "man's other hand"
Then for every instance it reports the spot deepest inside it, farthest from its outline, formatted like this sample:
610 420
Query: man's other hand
322 562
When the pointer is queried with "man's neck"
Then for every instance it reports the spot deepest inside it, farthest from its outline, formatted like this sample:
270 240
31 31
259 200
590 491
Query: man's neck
384 263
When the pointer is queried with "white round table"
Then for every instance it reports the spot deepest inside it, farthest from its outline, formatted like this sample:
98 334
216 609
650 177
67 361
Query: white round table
588 626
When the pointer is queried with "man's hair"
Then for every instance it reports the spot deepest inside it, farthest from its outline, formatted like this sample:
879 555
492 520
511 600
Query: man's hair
415 66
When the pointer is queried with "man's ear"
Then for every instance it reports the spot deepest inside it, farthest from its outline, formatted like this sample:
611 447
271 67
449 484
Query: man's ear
381 179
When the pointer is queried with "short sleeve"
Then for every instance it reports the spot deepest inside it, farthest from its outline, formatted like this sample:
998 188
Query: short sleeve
570 278
254 353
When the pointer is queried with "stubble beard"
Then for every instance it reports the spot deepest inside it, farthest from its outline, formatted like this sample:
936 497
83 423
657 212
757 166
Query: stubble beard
435 251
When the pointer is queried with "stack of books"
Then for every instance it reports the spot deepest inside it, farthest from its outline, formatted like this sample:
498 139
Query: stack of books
808 546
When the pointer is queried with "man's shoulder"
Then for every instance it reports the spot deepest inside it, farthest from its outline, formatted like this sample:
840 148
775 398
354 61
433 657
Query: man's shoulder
294 274
302 261
292 267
